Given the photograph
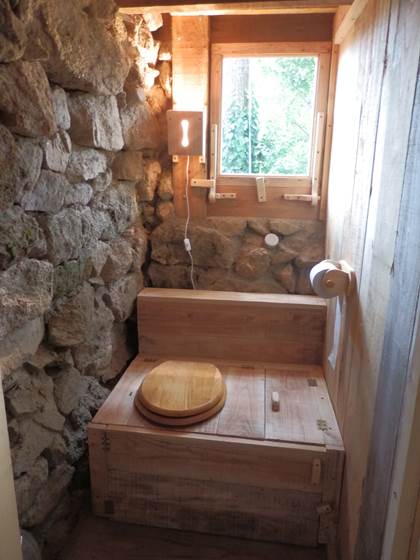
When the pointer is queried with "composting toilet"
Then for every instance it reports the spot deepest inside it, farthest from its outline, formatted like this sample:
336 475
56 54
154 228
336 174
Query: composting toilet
181 393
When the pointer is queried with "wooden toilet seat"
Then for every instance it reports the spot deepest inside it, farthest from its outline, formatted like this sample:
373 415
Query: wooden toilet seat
177 393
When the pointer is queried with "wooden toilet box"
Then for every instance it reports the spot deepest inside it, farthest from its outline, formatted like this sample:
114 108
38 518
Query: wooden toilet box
252 470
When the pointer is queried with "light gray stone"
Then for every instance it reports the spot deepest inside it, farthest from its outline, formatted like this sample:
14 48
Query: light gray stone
93 355
121 295
120 203
119 260
13 38
70 324
57 152
20 235
68 390
22 395
128 166
82 54
48 194
165 189
33 440
25 99
60 107
217 279
68 277
49 495
64 234
230 227
28 485
20 344
95 121
140 127
30 160
20 164
138 239
85 164
25 293
102 181
79 193
253 263
97 256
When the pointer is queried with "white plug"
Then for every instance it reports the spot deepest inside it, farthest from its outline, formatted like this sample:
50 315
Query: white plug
187 244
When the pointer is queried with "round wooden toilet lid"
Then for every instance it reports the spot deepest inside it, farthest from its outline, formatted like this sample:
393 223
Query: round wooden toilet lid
178 389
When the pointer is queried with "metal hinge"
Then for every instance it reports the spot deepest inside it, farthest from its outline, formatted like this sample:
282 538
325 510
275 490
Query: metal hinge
105 443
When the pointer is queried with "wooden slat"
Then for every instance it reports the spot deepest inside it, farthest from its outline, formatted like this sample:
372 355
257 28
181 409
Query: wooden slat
243 414
263 28
96 538
207 457
189 7
377 72
398 342
238 327
349 19
190 70
305 414
215 507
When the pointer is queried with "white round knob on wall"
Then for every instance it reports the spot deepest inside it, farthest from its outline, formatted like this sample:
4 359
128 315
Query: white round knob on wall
271 240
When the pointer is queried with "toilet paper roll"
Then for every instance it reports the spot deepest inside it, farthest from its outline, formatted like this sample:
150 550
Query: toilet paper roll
328 280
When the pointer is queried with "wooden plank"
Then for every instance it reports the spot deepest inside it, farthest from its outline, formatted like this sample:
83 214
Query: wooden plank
328 133
267 28
306 414
207 457
349 19
189 7
215 507
233 299
235 327
398 340
96 538
376 79
243 414
97 441
190 71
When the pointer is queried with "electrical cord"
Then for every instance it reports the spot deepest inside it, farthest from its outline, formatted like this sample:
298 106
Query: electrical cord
187 242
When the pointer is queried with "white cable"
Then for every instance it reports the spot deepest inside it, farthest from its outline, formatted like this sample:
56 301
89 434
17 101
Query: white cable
187 242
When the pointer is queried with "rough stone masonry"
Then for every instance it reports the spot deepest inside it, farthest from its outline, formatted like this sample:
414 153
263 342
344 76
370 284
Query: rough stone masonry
81 140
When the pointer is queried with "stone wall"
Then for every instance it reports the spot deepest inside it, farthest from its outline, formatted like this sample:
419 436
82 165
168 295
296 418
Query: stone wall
230 254
81 138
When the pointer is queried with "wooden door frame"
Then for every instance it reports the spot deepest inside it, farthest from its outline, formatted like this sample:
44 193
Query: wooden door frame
397 359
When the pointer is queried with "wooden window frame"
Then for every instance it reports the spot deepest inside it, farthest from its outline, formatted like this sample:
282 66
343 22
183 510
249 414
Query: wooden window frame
282 184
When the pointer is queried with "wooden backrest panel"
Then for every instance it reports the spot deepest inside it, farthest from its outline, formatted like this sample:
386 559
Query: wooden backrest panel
231 326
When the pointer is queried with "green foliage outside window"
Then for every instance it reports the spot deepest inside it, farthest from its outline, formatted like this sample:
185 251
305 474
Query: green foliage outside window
267 115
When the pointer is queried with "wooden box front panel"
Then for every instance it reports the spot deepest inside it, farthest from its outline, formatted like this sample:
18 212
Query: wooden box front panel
216 485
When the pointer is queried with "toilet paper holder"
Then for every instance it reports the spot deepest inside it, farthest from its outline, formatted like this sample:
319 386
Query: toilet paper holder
331 278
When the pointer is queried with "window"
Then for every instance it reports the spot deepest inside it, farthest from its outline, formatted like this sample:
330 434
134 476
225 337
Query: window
267 115
269 101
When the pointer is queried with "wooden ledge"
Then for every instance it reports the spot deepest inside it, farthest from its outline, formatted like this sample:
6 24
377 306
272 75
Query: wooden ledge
244 299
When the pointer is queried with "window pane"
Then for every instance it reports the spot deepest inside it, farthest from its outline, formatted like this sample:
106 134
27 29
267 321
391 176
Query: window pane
267 114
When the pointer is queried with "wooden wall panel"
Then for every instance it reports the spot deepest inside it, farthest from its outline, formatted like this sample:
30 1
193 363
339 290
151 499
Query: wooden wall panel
227 325
190 69
375 91
267 28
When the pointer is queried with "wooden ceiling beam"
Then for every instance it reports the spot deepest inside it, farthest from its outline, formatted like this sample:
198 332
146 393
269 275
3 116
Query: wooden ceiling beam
238 7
